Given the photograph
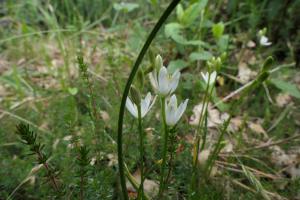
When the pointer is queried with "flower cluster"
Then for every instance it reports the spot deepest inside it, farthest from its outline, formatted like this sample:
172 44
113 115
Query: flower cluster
164 85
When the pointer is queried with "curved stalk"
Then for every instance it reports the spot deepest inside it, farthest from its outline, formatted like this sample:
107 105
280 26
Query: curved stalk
165 147
133 182
138 61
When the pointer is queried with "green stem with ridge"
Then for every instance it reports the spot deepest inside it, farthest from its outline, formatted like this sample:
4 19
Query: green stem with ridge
165 147
135 68
197 138
141 134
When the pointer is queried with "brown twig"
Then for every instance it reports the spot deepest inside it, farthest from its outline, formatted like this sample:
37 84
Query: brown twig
267 144
233 167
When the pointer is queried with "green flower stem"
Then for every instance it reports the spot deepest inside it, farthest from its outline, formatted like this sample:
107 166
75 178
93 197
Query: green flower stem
141 188
165 147
135 68
204 136
200 122
171 152
197 137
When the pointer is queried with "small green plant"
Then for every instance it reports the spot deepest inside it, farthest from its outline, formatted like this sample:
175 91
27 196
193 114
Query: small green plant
29 138
83 162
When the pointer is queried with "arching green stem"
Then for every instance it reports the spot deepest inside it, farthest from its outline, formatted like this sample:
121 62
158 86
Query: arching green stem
138 61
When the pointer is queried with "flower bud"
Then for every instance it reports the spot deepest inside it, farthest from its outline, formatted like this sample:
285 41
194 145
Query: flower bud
262 32
262 77
140 78
223 56
151 57
158 62
267 64
135 95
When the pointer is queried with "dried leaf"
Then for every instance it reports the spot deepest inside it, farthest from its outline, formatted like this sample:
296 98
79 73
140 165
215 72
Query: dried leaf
150 187
105 116
251 44
283 99
67 138
257 128
235 124
215 118
245 74
203 156
113 159
93 161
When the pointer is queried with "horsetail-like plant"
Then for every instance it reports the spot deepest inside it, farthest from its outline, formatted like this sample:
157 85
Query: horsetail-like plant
83 162
92 105
29 138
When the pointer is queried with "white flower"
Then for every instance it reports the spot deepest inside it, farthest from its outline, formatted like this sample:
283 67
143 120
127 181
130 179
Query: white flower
174 113
163 82
211 77
264 41
146 105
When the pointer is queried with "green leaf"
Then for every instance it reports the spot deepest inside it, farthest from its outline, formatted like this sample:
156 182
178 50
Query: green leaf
286 87
154 2
179 12
125 7
223 42
177 65
267 64
192 12
73 91
218 30
197 42
204 55
173 30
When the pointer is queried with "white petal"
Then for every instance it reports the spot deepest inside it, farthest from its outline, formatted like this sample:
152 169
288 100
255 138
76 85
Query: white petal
212 78
163 81
131 107
205 77
148 99
181 110
264 41
144 108
145 104
174 82
171 108
153 101
153 79
170 115
173 101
